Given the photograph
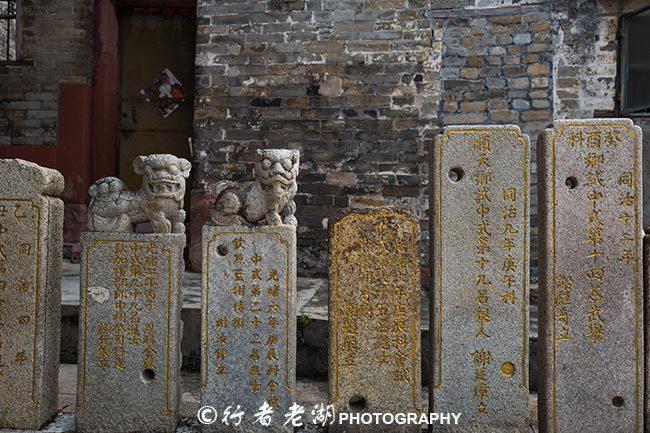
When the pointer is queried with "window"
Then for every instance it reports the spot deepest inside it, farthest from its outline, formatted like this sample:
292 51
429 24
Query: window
8 24
635 63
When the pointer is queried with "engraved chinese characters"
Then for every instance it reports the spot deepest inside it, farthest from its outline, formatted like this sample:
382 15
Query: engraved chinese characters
591 299
31 237
374 309
130 328
130 331
249 324
480 253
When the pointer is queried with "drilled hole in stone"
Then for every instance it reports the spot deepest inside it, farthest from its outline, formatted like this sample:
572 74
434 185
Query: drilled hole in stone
618 401
507 369
456 174
571 182
222 250
358 403
148 375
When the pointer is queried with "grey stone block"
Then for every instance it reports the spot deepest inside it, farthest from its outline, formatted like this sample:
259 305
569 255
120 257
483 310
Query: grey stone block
591 277
130 332
249 325
31 242
480 264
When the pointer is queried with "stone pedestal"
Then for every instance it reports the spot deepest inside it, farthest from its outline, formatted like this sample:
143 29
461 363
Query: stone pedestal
129 332
249 324
31 237
480 263
374 313
591 277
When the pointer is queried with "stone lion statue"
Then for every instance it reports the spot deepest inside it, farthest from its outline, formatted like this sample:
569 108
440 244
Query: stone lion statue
266 201
113 208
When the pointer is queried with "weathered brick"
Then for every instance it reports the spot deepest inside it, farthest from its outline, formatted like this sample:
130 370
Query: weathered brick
539 69
536 115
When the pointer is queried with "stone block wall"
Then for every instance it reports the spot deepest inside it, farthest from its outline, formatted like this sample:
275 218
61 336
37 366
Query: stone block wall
55 46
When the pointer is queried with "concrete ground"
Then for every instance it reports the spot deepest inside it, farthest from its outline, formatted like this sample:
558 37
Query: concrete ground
309 393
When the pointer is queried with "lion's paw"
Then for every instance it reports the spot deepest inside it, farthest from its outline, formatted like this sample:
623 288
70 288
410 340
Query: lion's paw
106 185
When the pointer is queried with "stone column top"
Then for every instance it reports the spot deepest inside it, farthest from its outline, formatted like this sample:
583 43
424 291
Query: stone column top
558 124
447 131
24 177
388 210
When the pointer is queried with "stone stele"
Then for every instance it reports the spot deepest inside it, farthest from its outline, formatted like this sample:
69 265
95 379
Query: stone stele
31 242
374 314
129 332
249 325
591 277
646 289
479 266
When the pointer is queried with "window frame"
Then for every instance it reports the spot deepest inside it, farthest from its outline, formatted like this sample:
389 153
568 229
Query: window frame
623 68
15 17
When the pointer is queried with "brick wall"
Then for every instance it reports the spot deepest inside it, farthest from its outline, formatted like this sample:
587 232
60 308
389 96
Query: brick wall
497 69
55 47
361 87
352 84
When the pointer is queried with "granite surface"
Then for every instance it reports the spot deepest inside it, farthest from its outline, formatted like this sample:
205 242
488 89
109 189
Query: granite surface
480 277
249 326
591 277
130 332
31 237
374 316
308 394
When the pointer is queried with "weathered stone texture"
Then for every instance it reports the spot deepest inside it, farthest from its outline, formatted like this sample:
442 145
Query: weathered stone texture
249 323
31 238
585 57
268 200
591 277
480 260
55 47
129 332
374 316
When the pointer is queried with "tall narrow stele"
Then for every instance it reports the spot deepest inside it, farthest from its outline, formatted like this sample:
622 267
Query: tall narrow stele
591 277
31 242
374 314
480 264
248 351
130 328
249 325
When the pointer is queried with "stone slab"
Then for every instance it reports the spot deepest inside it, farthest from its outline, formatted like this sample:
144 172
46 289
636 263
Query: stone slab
479 268
591 282
249 325
646 290
374 313
31 242
130 332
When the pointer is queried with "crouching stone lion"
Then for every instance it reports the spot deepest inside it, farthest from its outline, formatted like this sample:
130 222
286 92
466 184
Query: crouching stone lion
113 208
266 201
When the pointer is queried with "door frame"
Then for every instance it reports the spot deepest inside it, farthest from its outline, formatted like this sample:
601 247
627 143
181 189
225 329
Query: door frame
106 80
